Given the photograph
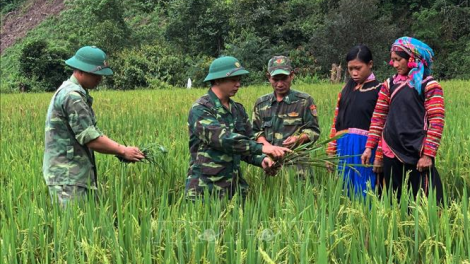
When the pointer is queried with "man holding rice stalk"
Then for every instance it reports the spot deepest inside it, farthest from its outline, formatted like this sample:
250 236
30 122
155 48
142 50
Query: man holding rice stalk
220 136
71 134
285 117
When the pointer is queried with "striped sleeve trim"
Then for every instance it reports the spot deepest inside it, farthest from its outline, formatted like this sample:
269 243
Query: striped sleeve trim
435 112
379 116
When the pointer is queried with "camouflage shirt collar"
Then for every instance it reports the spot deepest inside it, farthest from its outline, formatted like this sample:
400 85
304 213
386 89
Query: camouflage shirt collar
288 99
75 81
216 100
84 91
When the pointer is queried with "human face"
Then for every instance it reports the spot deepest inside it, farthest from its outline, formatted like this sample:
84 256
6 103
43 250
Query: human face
359 71
88 80
281 83
400 64
229 86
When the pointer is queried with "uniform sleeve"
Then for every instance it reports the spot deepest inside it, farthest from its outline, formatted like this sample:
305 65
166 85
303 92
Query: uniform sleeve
257 122
331 149
80 118
311 127
209 130
251 159
435 111
379 117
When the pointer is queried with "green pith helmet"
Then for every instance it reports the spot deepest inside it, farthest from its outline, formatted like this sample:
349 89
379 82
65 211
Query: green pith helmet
279 65
90 59
224 67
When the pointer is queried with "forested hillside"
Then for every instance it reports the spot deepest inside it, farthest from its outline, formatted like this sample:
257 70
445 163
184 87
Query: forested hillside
161 44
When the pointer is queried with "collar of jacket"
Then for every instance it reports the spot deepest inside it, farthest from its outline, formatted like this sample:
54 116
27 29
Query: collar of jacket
288 99
216 100
82 90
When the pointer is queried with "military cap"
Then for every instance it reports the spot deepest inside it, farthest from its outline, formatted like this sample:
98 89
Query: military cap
90 59
224 67
279 65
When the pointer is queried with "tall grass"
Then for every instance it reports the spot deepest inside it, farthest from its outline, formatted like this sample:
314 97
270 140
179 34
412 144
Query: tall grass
142 217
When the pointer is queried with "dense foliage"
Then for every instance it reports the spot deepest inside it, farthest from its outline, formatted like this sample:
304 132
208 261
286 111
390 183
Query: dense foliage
161 43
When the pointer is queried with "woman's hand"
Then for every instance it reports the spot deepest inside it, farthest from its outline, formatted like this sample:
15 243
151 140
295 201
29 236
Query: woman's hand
424 163
377 166
365 158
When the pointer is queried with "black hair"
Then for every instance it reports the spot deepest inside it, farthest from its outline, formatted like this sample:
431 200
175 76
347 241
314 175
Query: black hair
402 54
361 53
364 55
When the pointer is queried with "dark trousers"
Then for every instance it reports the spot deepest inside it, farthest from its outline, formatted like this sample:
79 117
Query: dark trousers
395 173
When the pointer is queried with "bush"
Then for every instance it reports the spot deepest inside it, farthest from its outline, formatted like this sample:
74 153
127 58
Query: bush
198 70
141 67
42 67
253 52
304 63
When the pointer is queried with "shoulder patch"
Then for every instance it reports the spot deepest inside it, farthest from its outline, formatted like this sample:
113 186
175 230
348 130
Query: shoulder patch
313 110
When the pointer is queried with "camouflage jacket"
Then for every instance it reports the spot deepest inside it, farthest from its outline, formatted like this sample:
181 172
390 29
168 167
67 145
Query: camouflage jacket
70 125
276 121
218 139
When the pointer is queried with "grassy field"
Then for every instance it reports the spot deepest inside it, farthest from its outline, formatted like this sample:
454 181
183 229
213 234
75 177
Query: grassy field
141 216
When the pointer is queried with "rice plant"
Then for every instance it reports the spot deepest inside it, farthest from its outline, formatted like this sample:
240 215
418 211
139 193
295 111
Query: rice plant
141 215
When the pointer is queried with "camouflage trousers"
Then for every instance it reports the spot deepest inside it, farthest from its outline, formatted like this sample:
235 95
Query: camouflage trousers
197 192
64 194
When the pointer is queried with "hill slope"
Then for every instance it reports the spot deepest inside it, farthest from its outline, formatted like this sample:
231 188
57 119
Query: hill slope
16 24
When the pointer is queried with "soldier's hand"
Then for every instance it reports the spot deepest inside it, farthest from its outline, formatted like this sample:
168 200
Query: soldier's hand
276 152
290 141
295 141
269 167
132 154
267 163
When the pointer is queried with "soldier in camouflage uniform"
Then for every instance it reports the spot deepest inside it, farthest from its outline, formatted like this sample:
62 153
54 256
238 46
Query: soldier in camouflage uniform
285 117
220 136
71 134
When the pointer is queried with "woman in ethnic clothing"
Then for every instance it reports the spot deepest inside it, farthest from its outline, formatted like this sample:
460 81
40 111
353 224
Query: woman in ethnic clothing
353 113
409 119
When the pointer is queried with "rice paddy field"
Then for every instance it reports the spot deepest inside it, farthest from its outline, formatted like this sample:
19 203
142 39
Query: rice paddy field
142 217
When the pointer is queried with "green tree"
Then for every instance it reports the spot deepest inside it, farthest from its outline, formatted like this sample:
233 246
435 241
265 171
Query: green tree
198 26
42 66
96 22
280 21
253 52
446 28
352 23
